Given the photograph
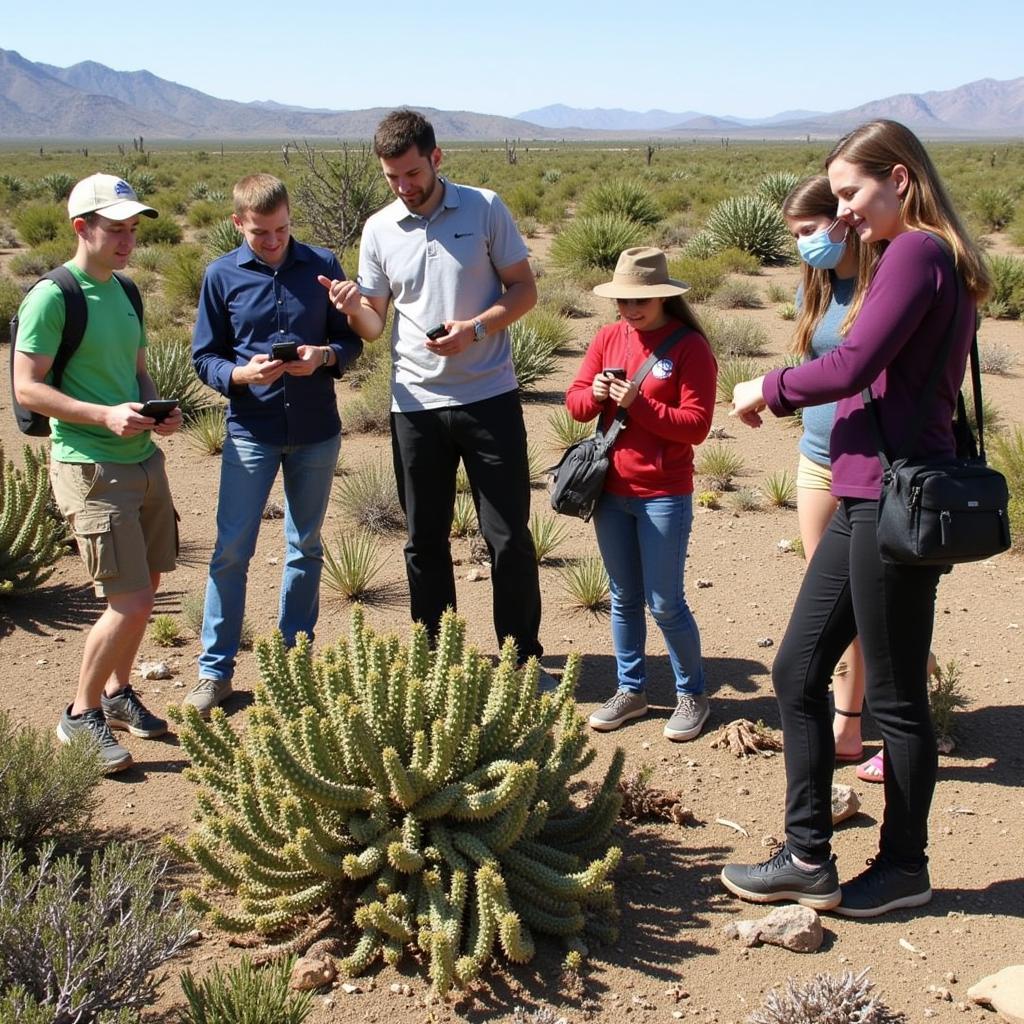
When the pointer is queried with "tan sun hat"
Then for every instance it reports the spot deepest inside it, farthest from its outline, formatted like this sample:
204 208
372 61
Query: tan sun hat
106 194
641 273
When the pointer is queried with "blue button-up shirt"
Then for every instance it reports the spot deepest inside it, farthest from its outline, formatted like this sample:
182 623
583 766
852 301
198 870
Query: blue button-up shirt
245 306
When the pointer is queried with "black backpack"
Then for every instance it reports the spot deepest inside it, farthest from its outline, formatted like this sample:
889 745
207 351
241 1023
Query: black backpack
75 318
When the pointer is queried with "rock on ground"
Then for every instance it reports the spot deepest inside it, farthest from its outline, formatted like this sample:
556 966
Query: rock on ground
1003 991
845 803
792 927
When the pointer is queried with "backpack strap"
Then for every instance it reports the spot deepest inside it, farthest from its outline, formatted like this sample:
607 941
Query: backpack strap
75 317
131 289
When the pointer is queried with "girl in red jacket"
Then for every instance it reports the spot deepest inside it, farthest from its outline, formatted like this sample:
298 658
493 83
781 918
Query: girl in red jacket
644 516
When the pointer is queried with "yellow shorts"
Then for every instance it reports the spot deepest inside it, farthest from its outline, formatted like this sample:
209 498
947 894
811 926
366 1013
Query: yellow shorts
812 476
122 517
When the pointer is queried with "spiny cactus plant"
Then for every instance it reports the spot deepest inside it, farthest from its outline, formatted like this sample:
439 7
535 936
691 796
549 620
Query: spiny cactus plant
30 538
420 796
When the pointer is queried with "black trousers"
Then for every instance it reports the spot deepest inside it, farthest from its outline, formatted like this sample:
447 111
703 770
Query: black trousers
848 590
489 437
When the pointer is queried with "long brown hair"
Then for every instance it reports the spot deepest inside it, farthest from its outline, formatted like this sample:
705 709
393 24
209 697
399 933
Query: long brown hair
877 147
813 197
676 307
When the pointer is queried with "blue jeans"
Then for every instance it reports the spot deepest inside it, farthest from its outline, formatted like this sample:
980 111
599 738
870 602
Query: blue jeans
643 543
247 473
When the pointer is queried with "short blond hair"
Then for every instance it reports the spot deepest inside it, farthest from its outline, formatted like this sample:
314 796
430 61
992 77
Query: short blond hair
259 193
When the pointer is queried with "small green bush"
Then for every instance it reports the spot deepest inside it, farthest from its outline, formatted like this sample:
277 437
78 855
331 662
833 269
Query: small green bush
787 311
183 278
779 488
203 213
553 329
1006 452
56 186
991 415
702 275
45 256
158 231
736 261
369 498
164 631
548 533
946 696
779 293
746 499
566 431
751 224
736 293
709 499
42 222
533 356
1007 298
628 199
169 363
370 411
718 465
155 258
595 242
352 564
563 297
523 201
245 995
207 431
733 336
586 582
994 207
222 238
10 299
776 186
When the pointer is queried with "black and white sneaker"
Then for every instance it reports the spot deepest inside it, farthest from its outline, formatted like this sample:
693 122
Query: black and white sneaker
778 878
883 886
125 711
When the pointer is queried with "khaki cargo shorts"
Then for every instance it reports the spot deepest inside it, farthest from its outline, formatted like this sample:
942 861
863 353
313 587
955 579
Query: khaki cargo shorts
122 517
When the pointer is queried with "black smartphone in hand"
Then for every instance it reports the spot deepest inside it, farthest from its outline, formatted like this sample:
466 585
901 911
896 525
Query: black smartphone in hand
437 332
618 372
158 408
286 351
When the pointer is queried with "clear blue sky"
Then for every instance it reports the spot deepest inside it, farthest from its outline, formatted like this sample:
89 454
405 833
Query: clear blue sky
749 58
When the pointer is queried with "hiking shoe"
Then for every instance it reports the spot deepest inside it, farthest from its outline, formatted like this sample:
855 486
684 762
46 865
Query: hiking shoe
207 694
125 711
685 723
778 878
623 705
546 682
883 887
91 723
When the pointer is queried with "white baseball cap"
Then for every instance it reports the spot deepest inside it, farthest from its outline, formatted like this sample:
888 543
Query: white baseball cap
106 194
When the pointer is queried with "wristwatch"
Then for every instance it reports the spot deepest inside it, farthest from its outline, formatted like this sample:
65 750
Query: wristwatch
479 331
326 357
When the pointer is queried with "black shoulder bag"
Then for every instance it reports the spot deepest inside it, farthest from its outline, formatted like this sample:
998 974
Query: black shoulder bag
576 483
941 510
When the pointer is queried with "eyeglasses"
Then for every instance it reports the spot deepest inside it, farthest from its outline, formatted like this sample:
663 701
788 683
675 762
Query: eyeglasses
635 302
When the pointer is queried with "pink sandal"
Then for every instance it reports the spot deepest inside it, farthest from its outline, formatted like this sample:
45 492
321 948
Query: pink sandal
872 770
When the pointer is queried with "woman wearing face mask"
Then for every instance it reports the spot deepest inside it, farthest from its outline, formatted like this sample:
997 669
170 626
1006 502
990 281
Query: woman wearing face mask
922 276
643 518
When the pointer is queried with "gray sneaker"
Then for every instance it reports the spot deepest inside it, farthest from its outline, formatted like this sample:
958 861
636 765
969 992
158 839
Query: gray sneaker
91 723
623 705
692 711
207 694
125 711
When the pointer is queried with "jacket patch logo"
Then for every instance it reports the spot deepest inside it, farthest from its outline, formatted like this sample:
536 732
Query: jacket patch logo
662 369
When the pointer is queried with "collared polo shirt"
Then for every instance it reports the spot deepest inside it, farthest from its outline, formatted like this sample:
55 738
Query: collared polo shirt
438 268
244 307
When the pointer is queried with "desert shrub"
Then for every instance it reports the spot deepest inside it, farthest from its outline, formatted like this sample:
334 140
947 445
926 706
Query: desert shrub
1016 227
779 488
533 356
158 231
990 413
370 411
548 533
736 261
993 207
779 293
552 327
79 945
586 583
1006 452
595 242
836 999
169 364
56 186
462 480
787 311
565 431
146 281
523 201
702 275
776 186
42 222
154 258
207 431
732 336
536 463
996 357
164 630
369 498
222 238
183 277
709 499
10 299
352 564
43 257
47 789
562 296
946 696
701 246
463 516
745 499
718 465
202 213
628 199
752 225
1006 300
31 540
427 788
736 293
244 995
528 226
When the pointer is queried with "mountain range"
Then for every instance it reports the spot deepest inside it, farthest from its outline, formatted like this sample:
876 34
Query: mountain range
91 101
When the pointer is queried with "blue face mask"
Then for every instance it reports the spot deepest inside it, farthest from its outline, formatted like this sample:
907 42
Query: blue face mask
819 251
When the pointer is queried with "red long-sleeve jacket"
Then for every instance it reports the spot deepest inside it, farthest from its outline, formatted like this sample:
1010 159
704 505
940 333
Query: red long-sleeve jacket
653 455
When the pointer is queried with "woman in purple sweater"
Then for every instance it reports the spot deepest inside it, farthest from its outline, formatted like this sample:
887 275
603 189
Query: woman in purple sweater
891 195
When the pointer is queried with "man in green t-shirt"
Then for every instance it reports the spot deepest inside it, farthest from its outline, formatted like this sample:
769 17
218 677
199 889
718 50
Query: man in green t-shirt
107 474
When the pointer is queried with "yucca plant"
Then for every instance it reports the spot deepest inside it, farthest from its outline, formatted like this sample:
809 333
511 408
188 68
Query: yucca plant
369 498
565 431
701 246
31 539
56 186
463 516
183 277
551 326
779 489
787 311
462 479
207 430
352 564
751 224
169 364
538 464
595 242
222 238
586 582
244 994
416 798
776 186
548 533
732 372
1006 300
994 207
718 465
533 356
629 199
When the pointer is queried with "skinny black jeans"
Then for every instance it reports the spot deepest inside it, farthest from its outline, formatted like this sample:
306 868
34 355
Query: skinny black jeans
849 591
490 439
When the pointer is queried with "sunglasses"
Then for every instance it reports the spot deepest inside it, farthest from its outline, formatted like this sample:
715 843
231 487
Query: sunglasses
635 302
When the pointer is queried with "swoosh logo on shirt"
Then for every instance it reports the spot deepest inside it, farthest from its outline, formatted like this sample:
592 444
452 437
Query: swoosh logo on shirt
463 234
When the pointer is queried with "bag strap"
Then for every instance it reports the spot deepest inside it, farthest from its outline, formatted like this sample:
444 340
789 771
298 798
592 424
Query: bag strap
75 317
131 289
608 437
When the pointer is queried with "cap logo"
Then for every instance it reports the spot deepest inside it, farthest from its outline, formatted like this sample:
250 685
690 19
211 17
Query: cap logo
122 188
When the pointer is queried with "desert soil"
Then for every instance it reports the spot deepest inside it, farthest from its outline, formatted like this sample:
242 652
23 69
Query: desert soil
672 959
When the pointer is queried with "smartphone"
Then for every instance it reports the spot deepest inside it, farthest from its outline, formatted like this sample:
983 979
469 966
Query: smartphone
286 351
158 408
437 332
618 372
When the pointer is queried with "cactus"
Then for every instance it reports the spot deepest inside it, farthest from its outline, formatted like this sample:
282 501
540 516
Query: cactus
30 537
421 797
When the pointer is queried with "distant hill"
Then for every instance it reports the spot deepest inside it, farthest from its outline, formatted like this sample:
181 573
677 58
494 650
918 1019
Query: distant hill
89 100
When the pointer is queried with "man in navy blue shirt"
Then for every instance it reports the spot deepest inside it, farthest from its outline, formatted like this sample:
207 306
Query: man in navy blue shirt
268 338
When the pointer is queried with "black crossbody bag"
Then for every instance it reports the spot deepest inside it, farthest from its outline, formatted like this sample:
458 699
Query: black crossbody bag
941 510
576 483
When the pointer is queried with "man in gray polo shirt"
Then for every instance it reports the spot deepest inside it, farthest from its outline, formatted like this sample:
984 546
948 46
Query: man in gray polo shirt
450 257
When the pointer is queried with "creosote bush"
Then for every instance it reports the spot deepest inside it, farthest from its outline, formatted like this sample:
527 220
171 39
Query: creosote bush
418 798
